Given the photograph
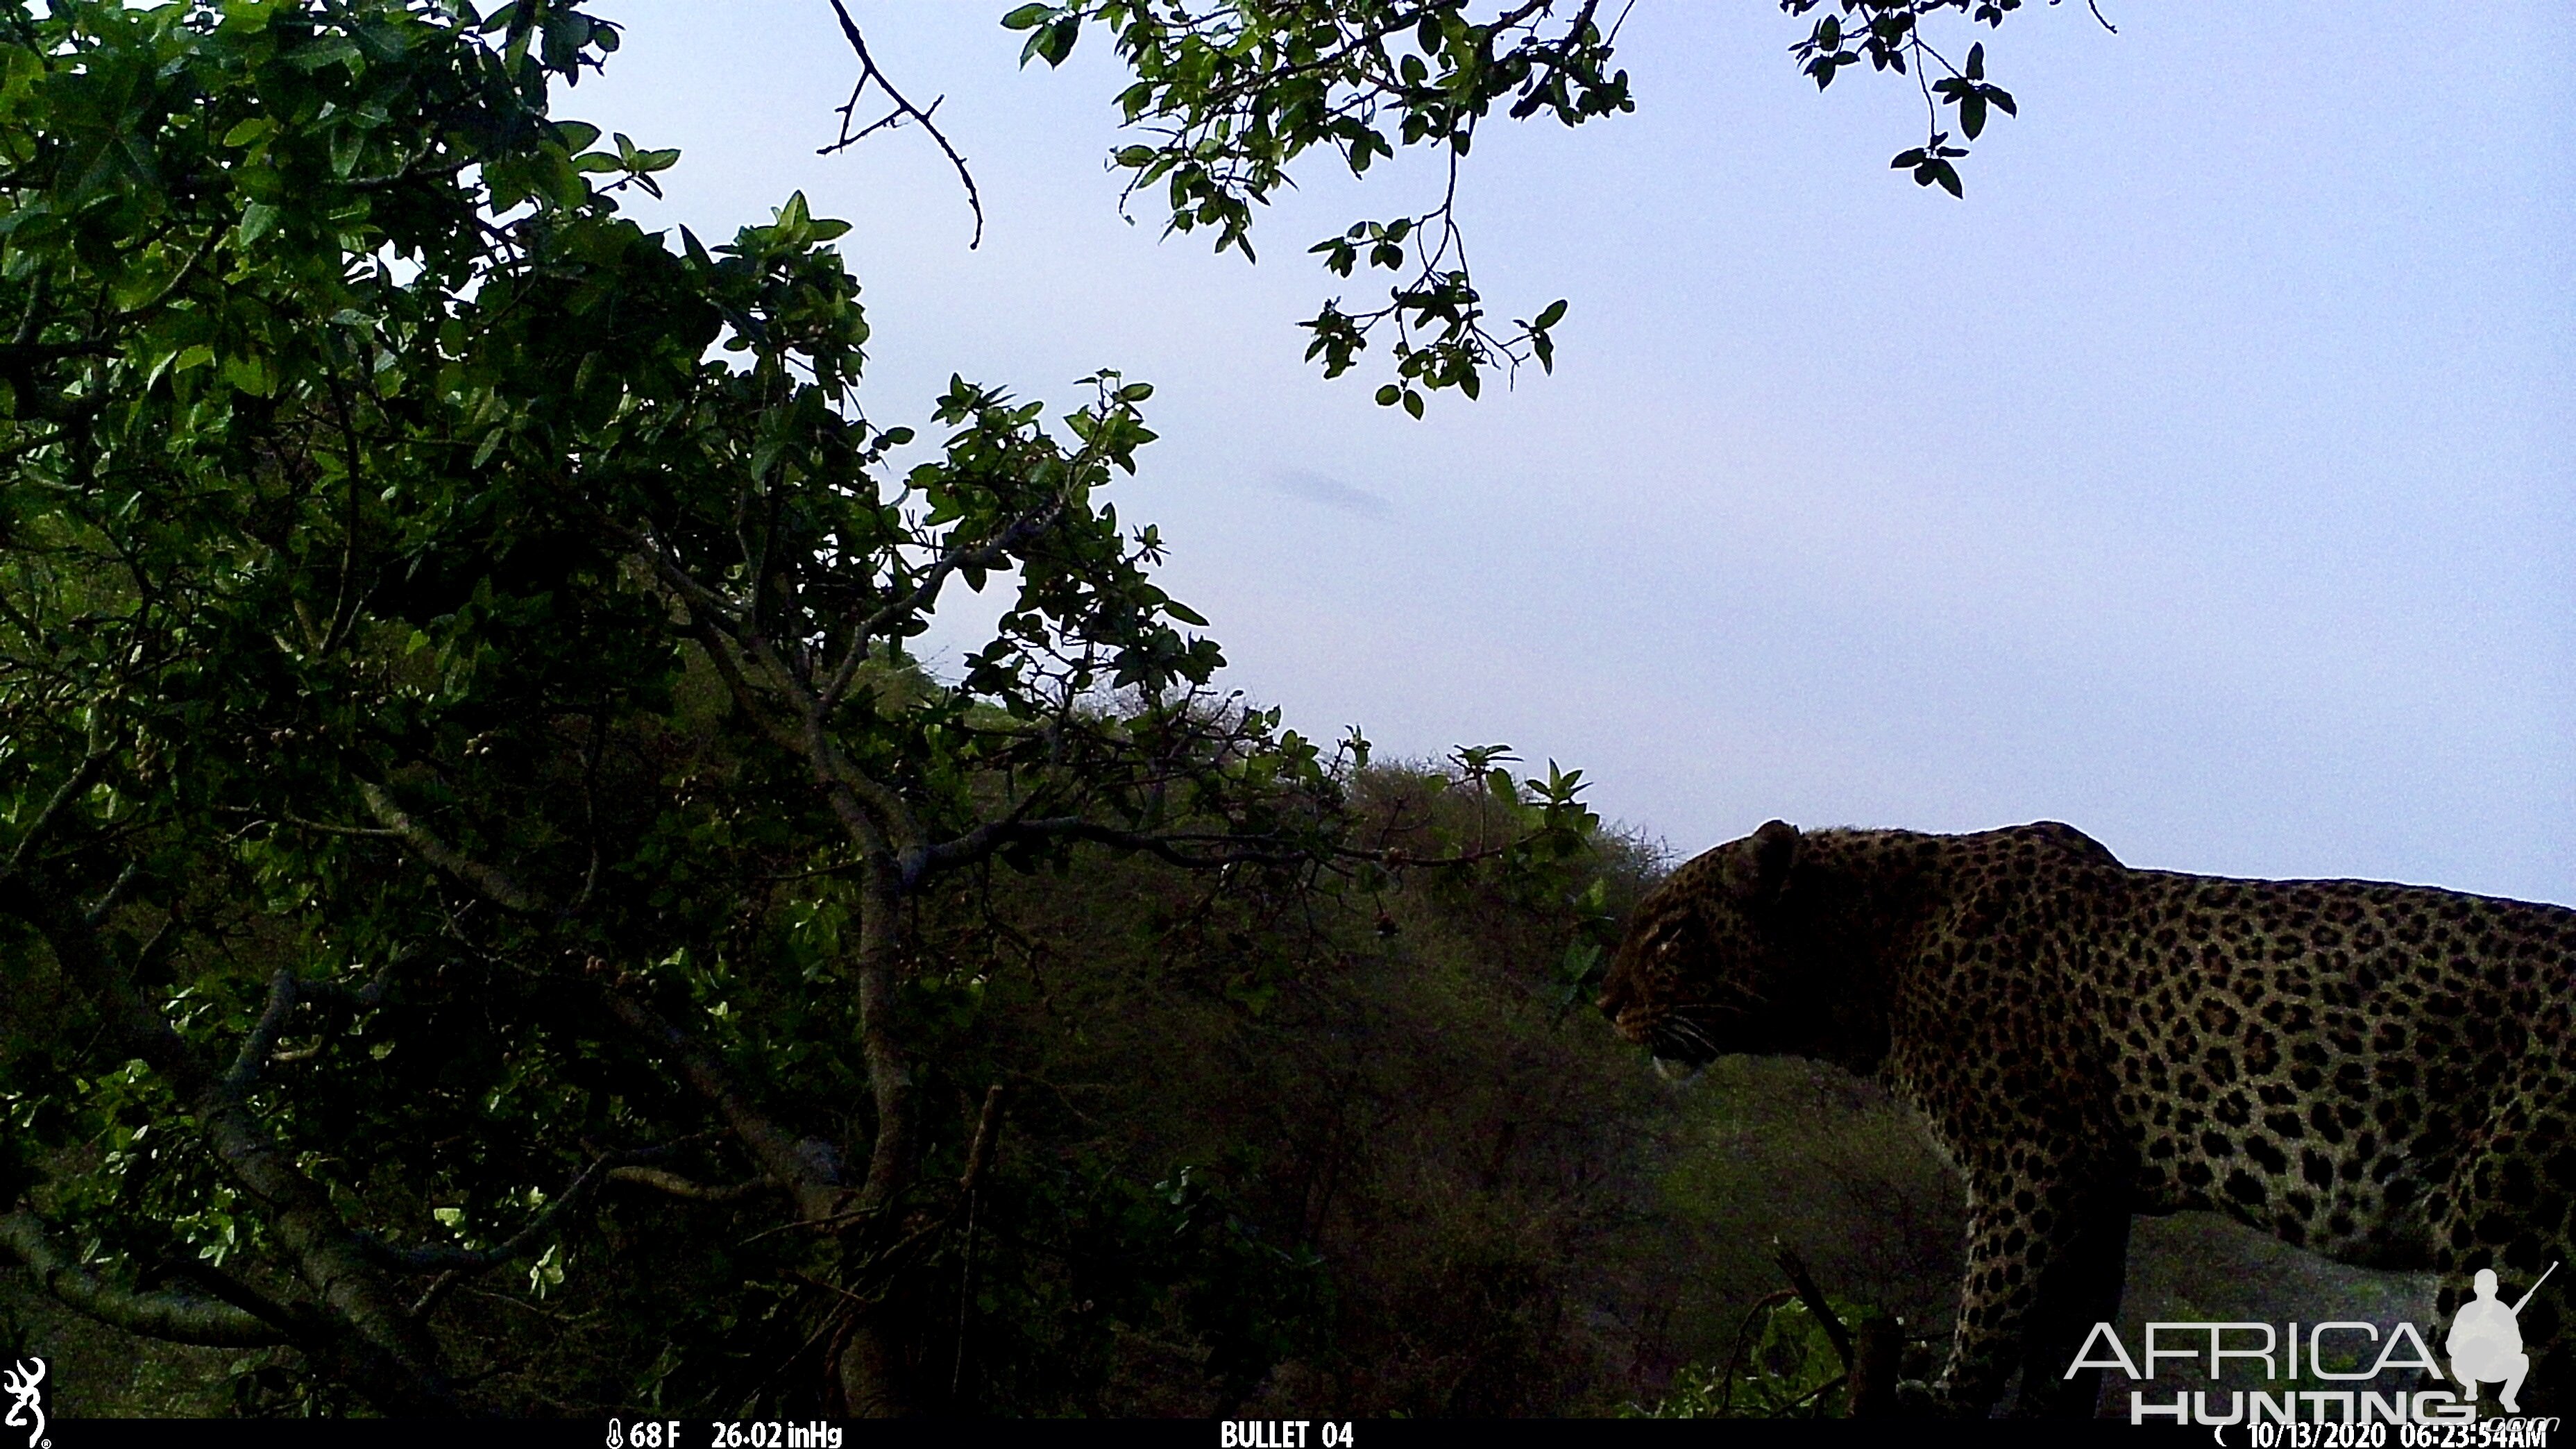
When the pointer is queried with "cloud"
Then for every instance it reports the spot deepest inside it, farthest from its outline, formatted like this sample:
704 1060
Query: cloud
1330 492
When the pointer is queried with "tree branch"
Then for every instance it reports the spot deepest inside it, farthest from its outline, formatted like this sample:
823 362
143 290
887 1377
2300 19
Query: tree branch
381 1350
293 1321
903 110
78 780
678 1186
981 1151
770 1146
926 593
984 839
1794 1269
442 1257
719 650
262 1038
175 1317
499 888
850 793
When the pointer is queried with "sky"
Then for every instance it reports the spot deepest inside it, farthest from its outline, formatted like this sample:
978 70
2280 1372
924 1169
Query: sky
2206 479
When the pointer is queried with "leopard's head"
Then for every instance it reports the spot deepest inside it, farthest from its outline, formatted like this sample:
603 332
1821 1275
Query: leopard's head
1699 968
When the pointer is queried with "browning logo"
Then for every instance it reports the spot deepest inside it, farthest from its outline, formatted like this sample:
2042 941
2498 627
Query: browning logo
25 1385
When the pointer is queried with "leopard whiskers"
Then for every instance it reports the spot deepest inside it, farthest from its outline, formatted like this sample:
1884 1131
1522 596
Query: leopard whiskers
1685 1032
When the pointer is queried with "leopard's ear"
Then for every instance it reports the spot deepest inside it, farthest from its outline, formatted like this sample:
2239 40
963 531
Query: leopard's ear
1757 872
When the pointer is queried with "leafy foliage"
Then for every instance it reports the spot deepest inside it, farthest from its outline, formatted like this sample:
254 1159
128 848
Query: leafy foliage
1234 94
1784 1367
1229 96
464 766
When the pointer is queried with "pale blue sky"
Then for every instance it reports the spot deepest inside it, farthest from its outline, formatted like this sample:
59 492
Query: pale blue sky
2205 479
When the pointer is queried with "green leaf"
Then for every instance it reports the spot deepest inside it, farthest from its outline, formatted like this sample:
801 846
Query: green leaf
1053 41
257 221
250 374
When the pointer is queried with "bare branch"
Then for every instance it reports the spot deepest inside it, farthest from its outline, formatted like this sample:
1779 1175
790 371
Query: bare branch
321 827
285 993
344 606
438 1288
107 901
904 110
719 650
296 1322
19 359
503 891
340 993
981 1151
984 839
256 1046
73 784
1794 1268
678 1186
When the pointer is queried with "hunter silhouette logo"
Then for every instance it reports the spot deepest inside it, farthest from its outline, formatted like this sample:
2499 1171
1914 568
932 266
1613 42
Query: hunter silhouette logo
25 1388
2486 1341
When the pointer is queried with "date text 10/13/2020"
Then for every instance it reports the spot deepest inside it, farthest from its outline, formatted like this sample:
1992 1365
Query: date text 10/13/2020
2501 1433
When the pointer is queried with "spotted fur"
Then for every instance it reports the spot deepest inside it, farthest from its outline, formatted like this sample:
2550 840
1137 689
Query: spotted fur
2375 1072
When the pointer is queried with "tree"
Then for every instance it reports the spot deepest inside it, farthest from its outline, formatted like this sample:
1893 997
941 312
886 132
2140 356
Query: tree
463 753
1229 96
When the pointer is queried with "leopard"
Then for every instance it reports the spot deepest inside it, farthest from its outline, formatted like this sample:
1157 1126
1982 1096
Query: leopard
2373 1072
